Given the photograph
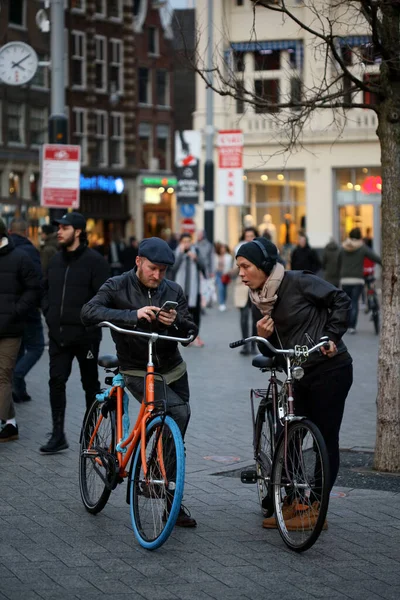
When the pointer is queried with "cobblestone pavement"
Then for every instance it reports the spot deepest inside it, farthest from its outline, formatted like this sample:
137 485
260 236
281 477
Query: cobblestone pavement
51 548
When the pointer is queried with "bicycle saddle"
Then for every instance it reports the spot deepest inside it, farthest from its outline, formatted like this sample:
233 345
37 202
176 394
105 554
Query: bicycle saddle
108 361
264 362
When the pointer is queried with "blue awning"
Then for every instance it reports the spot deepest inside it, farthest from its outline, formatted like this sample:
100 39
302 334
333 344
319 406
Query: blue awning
262 46
355 40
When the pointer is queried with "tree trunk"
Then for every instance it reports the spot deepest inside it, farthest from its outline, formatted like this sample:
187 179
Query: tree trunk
387 451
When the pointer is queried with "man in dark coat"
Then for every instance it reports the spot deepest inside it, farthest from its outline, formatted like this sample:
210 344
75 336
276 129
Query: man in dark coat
304 258
74 276
19 294
32 343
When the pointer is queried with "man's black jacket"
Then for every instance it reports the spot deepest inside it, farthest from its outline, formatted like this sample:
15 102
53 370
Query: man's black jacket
118 301
308 308
72 279
19 289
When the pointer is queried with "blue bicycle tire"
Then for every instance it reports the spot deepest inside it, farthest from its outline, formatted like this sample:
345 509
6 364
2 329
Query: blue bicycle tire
167 521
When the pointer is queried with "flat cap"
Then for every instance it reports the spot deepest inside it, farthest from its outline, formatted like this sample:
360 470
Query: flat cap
156 251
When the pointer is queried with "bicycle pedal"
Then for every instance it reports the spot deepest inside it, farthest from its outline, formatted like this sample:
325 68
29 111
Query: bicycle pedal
249 476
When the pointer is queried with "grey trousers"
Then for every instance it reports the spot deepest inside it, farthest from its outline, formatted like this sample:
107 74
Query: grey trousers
9 348
177 397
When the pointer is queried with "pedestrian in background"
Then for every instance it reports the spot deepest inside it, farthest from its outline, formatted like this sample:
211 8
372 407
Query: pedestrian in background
75 275
351 269
49 246
303 257
19 294
330 262
241 297
186 272
223 270
32 342
129 254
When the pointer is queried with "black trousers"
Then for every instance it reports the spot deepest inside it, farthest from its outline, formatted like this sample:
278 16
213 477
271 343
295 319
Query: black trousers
245 314
61 358
195 311
321 397
177 397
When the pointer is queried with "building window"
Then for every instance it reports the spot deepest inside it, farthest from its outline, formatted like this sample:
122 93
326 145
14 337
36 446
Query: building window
79 131
162 91
115 9
267 92
116 141
100 8
240 98
144 135
239 2
38 126
296 90
116 79
267 60
153 42
162 150
17 12
78 5
238 61
34 187
101 63
101 158
371 98
14 184
144 86
78 67
41 78
15 123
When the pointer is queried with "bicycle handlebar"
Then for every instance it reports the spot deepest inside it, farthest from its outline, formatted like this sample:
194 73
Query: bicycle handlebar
154 336
298 351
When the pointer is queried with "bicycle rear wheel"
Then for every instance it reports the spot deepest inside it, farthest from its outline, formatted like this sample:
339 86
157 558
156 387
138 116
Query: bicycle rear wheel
155 499
97 458
300 478
264 451
375 315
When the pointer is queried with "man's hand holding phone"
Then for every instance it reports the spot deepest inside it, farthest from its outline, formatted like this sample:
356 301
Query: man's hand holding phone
167 313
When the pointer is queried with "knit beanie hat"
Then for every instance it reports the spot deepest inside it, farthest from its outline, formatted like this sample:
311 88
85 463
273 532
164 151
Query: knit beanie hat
255 255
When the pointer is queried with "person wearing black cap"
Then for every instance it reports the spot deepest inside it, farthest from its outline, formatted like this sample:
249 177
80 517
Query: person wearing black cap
298 308
134 299
74 276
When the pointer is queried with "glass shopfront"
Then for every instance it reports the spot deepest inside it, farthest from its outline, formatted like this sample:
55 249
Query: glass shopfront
358 201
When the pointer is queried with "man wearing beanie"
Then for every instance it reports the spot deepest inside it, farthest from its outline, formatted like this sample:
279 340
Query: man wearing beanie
133 300
298 308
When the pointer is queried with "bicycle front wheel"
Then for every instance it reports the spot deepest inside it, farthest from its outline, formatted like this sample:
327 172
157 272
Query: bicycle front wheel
97 458
300 481
156 490
264 450
376 316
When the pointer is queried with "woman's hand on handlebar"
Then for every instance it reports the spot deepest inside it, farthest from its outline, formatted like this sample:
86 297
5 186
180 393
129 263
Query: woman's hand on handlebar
331 351
265 327
148 312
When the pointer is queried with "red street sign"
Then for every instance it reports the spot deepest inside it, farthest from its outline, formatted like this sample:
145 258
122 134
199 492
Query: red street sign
60 176
188 226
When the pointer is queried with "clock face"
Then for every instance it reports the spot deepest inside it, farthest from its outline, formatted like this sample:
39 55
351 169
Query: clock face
18 63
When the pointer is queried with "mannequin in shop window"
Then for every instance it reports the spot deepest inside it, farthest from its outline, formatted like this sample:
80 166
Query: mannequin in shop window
287 236
268 226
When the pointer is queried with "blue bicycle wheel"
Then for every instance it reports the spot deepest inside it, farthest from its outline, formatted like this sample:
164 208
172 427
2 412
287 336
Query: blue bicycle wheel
155 499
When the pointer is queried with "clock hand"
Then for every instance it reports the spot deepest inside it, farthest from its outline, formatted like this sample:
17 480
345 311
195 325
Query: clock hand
17 64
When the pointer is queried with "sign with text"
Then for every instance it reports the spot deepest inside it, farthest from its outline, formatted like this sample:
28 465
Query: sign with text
60 176
187 162
230 167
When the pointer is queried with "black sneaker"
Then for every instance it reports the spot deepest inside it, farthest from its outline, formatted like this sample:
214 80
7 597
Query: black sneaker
184 518
19 398
56 443
9 433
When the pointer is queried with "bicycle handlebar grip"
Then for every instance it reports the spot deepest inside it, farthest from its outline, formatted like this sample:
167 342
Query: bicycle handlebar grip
237 344
325 339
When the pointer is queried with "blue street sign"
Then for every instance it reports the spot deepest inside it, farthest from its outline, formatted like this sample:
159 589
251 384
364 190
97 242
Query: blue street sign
188 210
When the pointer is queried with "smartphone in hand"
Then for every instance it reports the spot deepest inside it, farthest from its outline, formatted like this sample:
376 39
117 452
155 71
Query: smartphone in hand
168 306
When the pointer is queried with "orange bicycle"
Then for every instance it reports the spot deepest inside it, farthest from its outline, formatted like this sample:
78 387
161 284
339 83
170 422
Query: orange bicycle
157 470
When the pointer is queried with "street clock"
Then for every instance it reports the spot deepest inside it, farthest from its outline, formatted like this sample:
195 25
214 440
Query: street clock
18 63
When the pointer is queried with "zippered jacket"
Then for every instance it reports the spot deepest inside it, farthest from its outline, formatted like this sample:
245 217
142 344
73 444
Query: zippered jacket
118 301
19 289
308 308
73 278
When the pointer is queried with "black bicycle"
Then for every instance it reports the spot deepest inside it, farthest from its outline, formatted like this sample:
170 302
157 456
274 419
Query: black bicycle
372 302
292 464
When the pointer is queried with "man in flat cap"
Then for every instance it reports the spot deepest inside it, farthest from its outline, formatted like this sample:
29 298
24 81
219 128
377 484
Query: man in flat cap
74 275
134 299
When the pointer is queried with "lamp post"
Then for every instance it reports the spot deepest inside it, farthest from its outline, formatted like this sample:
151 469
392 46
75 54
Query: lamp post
209 131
